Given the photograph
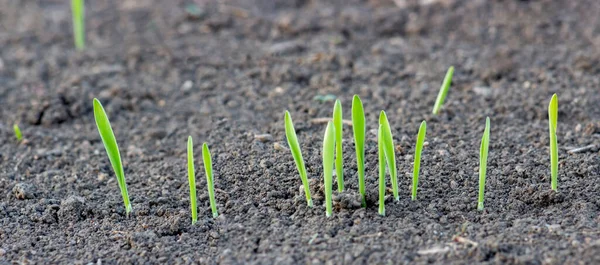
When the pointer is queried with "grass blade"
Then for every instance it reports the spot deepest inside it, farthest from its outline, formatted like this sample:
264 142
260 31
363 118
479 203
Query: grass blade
359 129
292 140
112 150
417 163
328 154
483 155
443 91
18 132
552 124
390 154
209 178
381 152
192 179
78 14
339 157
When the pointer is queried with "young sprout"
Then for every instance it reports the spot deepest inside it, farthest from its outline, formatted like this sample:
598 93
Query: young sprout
443 91
417 163
18 132
483 155
390 154
112 150
292 140
358 127
192 179
552 124
78 14
209 179
381 152
339 157
328 154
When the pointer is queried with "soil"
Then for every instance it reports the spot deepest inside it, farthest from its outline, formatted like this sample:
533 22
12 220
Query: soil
224 72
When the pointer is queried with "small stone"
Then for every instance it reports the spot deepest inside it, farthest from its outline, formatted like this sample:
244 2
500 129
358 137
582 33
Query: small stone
263 137
24 191
187 85
2 252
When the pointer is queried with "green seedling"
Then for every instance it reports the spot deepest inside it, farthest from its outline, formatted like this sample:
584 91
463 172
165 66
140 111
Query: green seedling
112 150
18 132
417 163
390 154
381 152
78 14
192 179
443 91
209 179
324 98
483 155
359 129
328 154
339 157
552 124
292 140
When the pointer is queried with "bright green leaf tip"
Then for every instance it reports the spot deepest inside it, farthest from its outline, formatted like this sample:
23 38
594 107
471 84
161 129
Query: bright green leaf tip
328 160
553 124
112 150
18 134
209 179
443 91
417 161
389 152
359 130
292 140
192 179
339 158
483 155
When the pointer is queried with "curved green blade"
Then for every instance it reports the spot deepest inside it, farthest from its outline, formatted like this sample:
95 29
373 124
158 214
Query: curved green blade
292 140
359 129
390 153
328 155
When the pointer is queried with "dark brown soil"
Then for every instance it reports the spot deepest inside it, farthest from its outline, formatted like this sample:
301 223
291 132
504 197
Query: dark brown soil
228 70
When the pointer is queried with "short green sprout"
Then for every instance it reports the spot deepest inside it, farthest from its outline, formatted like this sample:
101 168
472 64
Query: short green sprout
552 124
292 140
18 132
443 91
417 163
483 155
390 154
339 157
209 179
192 179
358 127
381 152
112 150
328 154
78 14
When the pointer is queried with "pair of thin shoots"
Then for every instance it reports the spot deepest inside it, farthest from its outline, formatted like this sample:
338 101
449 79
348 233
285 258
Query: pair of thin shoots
192 179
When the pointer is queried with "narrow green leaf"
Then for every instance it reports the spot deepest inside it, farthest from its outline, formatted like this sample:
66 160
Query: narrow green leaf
339 157
328 159
381 152
78 15
552 124
443 91
192 179
483 155
18 132
112 150
209 178
390 153
359 129
292 140
417 162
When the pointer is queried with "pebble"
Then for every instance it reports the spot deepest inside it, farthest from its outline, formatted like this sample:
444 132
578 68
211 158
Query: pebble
24 191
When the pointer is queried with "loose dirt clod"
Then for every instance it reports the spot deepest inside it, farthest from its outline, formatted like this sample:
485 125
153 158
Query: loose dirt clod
71 209
24 191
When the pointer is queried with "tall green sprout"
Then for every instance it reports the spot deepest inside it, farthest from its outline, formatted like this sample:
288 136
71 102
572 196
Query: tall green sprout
112 150
192 179
328 154
552 124
78 14
483 155
390 154
417 163
209 179
292 140
358 127
443 91
381 152
339 157
18 133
